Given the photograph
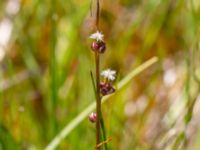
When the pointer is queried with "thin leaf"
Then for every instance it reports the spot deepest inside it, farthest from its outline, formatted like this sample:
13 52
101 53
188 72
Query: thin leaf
103 132
93 84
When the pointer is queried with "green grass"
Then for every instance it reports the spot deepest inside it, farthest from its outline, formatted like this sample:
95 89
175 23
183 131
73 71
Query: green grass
46 92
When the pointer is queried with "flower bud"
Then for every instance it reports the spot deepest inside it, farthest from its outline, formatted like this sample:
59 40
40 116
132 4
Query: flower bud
104 91
95 46
93 117
102 47
102 84
106 88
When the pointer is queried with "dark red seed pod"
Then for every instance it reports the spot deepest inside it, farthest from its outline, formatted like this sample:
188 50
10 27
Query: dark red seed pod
102 84
106 88
107 85
104 91
102 47
93 117
95 46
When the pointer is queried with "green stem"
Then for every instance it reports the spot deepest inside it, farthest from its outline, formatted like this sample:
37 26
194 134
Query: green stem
103 131
93 84
101 116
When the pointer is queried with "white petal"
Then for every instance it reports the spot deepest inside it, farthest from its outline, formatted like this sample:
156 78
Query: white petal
109 74
97 36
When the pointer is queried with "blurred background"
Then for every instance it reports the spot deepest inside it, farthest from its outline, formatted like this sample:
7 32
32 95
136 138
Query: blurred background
45 60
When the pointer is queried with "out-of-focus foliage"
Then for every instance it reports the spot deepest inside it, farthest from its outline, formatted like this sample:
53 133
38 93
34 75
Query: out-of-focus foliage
45 63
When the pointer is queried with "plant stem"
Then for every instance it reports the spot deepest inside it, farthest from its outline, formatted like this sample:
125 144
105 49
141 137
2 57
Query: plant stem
98 99
103 131
101 116
97 15
93 84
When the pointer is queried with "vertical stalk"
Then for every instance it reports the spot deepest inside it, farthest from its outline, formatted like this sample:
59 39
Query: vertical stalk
97 15
98 99
103 132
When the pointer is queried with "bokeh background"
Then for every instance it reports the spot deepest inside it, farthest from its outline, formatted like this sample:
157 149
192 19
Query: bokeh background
45 63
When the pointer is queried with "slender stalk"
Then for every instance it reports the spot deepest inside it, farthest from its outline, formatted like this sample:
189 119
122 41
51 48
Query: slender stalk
93 84
103 131
97 15
101 116
98 99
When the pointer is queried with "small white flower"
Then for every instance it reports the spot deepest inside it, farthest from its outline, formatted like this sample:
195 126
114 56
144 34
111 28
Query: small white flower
97 36
109 74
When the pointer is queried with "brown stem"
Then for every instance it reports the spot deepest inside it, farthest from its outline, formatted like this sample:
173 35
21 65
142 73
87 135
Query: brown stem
97 15
98 100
